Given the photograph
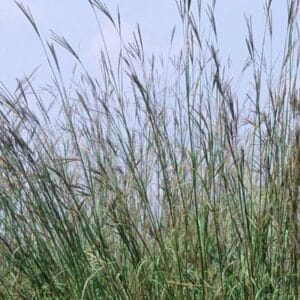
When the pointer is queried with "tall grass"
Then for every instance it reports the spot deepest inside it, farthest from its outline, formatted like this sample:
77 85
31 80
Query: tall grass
146 190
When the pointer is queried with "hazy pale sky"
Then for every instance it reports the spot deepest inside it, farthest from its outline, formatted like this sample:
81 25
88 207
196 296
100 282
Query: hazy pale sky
20 51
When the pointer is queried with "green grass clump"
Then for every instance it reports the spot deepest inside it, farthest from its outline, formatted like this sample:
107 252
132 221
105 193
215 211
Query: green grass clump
124 187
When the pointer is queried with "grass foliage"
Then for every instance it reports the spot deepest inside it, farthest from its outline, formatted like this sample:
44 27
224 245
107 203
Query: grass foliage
155 180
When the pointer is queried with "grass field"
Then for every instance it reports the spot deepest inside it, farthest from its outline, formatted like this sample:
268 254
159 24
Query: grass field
150 186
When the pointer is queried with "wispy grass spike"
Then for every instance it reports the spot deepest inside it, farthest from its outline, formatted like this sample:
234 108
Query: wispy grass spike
103 8
28 15
65 44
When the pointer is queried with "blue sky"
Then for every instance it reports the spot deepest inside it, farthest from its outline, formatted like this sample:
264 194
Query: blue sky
20 51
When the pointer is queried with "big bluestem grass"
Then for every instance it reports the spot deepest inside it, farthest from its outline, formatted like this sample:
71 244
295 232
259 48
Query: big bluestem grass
140 187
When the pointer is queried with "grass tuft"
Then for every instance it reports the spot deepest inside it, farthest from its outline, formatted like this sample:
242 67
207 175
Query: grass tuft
133 186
